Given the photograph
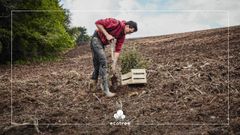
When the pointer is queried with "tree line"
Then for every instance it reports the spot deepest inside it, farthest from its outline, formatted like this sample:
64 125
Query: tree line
40 28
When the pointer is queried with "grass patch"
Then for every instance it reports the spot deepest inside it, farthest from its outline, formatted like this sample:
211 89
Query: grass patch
41 59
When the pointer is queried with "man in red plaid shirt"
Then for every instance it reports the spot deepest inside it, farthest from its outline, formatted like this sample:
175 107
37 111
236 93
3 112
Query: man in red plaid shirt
108 30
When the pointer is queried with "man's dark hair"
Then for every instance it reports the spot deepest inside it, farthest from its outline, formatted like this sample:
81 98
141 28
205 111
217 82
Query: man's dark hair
132 24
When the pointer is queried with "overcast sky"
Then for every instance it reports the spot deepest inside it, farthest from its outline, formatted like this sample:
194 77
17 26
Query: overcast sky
156 17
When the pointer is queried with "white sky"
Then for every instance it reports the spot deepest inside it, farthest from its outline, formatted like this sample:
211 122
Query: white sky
156 17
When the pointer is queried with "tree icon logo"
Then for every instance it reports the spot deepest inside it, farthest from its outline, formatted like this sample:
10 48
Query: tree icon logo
119 115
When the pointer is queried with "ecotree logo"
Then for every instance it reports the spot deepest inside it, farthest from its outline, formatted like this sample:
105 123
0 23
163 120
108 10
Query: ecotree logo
119 116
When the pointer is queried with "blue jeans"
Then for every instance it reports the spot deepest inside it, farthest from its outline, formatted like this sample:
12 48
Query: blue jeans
99 62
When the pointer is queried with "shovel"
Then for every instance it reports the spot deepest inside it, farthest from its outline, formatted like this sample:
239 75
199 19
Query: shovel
114 79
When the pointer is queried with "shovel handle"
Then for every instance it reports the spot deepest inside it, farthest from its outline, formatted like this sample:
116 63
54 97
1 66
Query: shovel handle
112 44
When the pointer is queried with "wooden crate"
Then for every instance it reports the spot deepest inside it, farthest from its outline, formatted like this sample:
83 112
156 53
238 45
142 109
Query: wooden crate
136 76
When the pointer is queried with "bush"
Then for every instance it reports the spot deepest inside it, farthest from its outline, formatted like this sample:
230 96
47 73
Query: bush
132 59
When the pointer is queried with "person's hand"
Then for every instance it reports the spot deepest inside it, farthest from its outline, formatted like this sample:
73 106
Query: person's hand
110 37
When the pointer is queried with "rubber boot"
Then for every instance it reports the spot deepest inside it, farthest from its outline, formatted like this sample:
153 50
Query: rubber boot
105 88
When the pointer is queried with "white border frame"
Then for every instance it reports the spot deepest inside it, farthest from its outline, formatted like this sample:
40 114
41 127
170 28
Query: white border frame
158 124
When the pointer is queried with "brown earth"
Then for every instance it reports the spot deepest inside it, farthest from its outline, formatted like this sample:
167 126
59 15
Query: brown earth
193 88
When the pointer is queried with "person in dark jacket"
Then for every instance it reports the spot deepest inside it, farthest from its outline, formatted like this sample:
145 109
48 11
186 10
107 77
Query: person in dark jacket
108 30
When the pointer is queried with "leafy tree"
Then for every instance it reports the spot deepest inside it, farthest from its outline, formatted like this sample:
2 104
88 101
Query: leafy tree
5 33
79 34
35 33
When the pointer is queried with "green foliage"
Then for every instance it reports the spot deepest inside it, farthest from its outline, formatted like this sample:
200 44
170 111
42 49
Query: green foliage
5 34
38 59
1 46
132 59
79 34
34 34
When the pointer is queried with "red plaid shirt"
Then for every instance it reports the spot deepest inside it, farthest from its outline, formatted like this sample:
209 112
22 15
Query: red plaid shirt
114 28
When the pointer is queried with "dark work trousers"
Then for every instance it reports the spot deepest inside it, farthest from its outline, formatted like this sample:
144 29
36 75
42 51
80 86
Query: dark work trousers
99 62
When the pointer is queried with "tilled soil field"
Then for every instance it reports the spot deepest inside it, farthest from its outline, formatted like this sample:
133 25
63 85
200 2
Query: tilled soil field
193 88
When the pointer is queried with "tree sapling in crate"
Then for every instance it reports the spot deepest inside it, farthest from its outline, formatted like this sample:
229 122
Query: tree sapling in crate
133 67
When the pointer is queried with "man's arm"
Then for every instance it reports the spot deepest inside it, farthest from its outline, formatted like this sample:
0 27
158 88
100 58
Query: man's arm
103 30
117 51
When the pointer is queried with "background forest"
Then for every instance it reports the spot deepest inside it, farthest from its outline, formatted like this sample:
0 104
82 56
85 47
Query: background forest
40 30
